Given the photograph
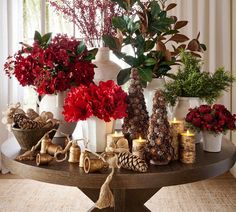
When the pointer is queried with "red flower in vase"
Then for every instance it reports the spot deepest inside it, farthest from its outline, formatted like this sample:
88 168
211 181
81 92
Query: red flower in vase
52 65
216 119
106 101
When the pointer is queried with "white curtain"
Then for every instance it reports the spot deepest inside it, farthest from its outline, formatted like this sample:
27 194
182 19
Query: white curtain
11 34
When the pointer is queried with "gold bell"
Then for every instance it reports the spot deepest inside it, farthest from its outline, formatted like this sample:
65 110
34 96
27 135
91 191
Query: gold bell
43 159
94 165
74 155
46 141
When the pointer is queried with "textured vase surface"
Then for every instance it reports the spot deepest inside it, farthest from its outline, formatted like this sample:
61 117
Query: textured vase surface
149 91
183 105
96 130
54 103
212 142
106 69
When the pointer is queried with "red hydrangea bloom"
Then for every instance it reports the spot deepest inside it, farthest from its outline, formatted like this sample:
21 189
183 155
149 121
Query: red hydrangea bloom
216 119
51 68
106 101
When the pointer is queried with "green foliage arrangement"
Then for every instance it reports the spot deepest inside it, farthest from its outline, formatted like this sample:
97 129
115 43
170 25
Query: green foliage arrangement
147 28
191 82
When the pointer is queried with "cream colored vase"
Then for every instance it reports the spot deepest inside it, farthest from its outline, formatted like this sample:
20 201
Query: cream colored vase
149 91
183 105
106 69
95 131
54 103
212 142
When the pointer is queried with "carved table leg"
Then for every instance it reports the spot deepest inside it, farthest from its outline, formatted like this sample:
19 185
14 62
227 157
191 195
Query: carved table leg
125 200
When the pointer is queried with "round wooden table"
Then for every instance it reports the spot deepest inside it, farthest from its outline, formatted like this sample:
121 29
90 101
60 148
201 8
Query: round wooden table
131 190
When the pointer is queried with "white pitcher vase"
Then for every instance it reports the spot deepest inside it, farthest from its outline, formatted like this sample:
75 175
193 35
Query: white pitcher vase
106 69
54 103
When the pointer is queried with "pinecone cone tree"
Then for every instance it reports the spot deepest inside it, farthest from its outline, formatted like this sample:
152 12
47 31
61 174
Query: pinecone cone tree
159 150
132 162
136 123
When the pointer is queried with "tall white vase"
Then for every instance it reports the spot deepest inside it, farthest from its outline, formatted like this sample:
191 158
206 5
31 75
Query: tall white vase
183 104
149 91
106 69
54 103
96 130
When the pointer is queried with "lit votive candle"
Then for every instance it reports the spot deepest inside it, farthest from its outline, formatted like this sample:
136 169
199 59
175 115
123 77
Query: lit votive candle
187 153
176 127
112 140
138 147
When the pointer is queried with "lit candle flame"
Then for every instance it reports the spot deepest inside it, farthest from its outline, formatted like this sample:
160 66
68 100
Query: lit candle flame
116 133
140 139
174 119
188 133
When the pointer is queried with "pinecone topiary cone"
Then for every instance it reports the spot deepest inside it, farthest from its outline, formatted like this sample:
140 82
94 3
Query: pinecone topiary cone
136 123
159 150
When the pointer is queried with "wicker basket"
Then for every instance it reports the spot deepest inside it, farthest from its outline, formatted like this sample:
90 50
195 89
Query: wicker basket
29 137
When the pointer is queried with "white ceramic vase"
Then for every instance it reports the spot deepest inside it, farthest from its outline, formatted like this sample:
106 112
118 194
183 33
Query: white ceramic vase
149 91
106 69
183 105
54 103
212 142
96 130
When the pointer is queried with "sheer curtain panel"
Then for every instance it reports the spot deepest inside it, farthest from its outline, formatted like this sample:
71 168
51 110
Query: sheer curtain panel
11 34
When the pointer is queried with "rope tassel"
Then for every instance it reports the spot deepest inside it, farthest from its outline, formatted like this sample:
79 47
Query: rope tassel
106 198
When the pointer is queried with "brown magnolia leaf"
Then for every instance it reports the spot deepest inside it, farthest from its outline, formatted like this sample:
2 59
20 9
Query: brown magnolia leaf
171 6
179 38
161 38
168 55
160 46
174 18
193 45
182 46
195 54
180 24
118 44
119 36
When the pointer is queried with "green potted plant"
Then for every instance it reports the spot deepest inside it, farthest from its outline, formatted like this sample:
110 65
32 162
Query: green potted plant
147 28
190 85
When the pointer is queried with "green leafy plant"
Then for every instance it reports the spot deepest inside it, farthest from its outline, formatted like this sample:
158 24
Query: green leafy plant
191 82
148 29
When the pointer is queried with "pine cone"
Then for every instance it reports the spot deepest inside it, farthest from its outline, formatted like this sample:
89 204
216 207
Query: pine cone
23 122
132 162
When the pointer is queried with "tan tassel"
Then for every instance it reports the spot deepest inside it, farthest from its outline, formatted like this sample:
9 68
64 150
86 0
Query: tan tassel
106 198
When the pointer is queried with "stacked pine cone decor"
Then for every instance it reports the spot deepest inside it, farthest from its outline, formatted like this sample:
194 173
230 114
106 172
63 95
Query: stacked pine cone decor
136 123
159 150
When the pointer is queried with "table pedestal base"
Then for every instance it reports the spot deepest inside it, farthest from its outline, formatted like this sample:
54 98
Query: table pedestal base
125 200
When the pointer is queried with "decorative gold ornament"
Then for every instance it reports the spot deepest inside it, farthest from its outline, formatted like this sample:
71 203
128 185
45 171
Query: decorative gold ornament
74 156
43 159
94 165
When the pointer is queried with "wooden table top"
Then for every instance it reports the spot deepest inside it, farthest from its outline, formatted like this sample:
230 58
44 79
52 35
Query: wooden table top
207 165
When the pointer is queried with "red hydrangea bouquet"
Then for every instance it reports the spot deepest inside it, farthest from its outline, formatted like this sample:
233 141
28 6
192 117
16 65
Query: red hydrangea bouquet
51 64
215 119
106 101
